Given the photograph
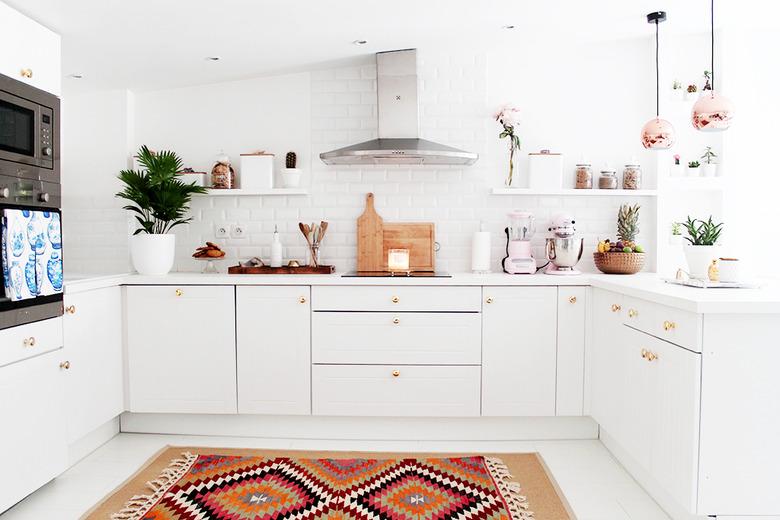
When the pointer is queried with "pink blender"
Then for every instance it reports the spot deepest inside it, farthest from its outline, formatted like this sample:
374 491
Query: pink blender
519 255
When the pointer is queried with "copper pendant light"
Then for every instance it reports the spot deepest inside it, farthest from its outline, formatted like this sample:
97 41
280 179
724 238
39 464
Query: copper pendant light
657 134
712 112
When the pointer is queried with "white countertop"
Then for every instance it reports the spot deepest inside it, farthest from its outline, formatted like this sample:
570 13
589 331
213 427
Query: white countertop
647 286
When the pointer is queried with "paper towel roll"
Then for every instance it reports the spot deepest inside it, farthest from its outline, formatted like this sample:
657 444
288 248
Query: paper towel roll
480 252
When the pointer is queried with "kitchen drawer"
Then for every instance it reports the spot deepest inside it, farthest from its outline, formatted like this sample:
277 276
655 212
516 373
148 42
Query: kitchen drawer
411 338
396 391
26 341
396 299
676 326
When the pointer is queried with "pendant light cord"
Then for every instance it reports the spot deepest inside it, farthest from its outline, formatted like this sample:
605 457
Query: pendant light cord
712 43
657 81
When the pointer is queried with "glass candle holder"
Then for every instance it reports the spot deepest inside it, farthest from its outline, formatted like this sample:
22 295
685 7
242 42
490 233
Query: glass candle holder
398 259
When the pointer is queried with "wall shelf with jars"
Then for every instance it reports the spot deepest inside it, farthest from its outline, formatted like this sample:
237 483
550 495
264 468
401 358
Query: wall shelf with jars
594 192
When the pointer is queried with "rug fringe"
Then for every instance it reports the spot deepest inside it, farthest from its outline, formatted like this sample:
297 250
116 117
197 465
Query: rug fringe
510 490
139 505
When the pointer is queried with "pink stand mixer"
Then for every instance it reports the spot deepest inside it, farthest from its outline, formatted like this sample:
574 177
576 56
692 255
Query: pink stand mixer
519 257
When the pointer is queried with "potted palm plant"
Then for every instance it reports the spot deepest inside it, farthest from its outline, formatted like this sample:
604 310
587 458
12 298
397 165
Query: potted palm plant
702 245
159 201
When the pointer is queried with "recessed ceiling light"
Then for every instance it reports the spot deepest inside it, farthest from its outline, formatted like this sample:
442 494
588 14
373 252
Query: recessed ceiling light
360 42
212 58
76 75
508 27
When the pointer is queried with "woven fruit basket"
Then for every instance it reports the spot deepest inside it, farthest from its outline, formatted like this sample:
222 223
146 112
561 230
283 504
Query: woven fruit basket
619 263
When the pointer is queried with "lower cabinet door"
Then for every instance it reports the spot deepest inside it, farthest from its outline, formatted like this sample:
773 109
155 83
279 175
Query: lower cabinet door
273 349
570 366
519 327
181 349
396 391
93 345
33 434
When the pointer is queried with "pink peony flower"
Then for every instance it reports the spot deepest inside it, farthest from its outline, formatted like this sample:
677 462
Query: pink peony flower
508 116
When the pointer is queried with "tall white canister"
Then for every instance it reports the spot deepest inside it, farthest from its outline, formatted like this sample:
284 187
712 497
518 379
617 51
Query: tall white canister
257 171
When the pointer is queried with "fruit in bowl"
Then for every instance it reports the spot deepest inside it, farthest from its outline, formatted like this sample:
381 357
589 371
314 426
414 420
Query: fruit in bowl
624 256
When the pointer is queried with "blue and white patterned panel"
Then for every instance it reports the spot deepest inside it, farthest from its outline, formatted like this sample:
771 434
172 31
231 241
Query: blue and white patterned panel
31 253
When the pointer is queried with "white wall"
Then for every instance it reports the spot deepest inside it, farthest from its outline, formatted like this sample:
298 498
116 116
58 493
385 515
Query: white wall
96 127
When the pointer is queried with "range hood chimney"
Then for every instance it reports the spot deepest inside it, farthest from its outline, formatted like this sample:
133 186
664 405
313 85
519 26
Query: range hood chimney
398 117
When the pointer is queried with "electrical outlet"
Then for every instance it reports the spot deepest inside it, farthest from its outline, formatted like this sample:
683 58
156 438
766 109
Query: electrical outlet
223 231
237 231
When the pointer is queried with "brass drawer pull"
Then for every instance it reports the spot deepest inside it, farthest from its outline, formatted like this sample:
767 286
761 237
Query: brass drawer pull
573 299
633 313
302 299
395 299
396 321
489 299
29 342
643 352
396 373
669 325
651 356
178 292
26 73
70 309
65 365
616 307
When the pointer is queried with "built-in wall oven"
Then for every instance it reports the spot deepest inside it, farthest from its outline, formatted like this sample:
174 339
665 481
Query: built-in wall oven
30 200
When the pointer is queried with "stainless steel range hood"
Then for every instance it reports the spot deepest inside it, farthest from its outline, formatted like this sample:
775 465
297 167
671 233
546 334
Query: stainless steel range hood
398 122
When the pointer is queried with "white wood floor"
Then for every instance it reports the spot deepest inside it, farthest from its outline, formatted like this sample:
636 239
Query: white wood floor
595 485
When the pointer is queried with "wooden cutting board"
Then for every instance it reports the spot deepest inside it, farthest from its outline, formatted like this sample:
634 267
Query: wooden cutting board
375 237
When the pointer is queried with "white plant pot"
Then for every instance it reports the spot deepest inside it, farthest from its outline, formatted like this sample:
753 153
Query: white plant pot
675 240
709 170
699 259
291 177
152 255
676 170
678 94
693 172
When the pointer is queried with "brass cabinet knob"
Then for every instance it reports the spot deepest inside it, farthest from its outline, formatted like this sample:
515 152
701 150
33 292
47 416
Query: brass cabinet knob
633 313
396 321
70 309
302 299
489 299
26 73
395 299
396 373
616 307
65 365
643 352
669 325
651 356
29 342
572 299
179 292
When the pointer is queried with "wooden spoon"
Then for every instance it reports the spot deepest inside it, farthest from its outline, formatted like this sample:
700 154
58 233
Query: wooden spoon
306 230
323 229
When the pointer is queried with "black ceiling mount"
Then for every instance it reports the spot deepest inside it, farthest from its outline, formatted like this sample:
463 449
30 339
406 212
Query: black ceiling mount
656 17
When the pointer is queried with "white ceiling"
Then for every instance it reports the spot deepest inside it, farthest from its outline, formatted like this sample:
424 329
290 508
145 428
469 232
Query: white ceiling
153 44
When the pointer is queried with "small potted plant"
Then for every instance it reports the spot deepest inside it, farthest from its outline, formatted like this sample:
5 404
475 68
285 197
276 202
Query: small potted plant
702 247
693 168
625 256
707 86
676 239
291 177
160 201
710 167
678 91
691 91
509 117
677 169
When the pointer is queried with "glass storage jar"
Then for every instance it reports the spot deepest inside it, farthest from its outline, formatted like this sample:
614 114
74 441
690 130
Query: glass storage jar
584 177
632 177
608 180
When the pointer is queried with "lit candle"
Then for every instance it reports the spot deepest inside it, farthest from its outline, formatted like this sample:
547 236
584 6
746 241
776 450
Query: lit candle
398 259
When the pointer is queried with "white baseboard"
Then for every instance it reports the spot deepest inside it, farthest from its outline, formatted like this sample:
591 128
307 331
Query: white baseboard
364 428
93 440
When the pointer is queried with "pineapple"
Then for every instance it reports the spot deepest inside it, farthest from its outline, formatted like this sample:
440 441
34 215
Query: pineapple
628 224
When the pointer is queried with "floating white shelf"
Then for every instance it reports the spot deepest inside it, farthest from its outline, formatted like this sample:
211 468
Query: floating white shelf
576 193
693 183
254 193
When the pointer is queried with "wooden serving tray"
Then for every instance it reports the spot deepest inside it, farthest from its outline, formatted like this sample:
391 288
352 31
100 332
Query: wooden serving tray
264 269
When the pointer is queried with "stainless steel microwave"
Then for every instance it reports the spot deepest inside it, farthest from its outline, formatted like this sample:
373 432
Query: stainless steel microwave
29 131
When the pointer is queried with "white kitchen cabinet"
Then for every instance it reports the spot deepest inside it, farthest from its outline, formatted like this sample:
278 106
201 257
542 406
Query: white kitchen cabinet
33 339
392 298
395 390
33 435
29 49
93 344
519 328
570 365
181 349
273 350
606 406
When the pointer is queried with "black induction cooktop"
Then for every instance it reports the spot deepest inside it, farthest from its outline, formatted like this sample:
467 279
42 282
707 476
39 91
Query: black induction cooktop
396 274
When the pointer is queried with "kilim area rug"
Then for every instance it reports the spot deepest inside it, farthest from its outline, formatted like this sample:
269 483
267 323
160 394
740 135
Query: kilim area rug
202 484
